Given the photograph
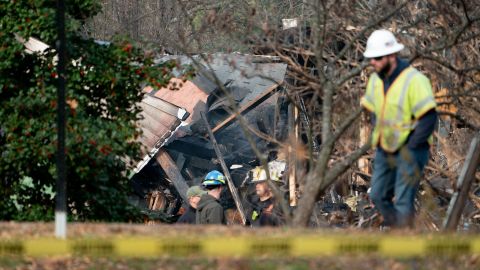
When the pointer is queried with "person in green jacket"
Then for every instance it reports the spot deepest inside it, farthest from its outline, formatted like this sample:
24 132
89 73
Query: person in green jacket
209 210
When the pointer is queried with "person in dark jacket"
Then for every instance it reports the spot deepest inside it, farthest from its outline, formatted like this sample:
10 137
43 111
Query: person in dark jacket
265 211
194 193
209 210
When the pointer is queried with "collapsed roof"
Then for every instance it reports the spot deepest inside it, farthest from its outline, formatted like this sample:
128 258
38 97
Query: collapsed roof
250 80
223 86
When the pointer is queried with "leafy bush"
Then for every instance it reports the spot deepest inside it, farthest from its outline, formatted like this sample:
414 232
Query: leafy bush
102 93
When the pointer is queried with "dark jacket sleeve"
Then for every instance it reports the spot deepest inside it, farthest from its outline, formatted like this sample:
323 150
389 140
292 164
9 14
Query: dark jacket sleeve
271 219
188 217
217 216
426 126
182 219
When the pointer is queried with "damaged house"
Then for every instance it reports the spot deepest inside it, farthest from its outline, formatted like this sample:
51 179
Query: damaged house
178 150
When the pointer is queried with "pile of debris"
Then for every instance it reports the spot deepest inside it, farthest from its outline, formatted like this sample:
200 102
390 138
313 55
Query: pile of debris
229 87
178 150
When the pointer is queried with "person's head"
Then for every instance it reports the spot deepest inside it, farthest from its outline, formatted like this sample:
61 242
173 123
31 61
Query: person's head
262 188
194 193
214 182
382 49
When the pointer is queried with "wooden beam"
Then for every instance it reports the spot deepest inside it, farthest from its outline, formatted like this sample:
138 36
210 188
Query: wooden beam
230 183
180 161
465 180
363 162
200 163
292 157
173 173
247 107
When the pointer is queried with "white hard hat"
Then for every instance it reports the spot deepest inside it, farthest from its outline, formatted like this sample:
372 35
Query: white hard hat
380 43
260 175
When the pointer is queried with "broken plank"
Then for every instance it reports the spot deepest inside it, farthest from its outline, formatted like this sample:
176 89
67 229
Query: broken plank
201 163
248 107
180 161
292 157
226 172
173 173
363 162
467 175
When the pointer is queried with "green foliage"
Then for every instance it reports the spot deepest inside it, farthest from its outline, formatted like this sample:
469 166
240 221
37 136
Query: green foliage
102 90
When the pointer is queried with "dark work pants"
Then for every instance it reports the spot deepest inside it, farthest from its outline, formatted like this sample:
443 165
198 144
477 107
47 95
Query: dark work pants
395 182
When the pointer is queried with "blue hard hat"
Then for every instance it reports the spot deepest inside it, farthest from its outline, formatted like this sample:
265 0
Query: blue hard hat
214 178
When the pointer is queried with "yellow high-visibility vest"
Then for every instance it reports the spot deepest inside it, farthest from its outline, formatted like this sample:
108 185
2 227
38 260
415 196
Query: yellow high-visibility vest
408 98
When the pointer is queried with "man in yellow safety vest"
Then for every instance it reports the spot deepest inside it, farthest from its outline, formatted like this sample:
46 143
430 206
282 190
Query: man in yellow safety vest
401 100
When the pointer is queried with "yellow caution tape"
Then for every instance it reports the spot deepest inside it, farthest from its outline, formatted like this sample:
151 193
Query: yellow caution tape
296 246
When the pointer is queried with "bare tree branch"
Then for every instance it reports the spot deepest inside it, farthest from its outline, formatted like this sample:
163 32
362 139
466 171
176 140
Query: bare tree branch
353 73
342 166
461 119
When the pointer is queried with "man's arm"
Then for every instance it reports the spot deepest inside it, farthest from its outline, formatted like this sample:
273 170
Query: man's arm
425 128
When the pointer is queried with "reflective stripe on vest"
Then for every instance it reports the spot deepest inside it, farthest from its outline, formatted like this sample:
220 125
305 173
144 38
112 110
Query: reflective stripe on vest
422 103
398 125
370 95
